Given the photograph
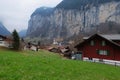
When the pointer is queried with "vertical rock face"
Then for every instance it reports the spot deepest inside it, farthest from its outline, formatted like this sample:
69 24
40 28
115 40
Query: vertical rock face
71 17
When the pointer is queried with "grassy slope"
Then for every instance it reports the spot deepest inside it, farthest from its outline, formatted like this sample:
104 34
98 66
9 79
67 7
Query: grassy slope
47 66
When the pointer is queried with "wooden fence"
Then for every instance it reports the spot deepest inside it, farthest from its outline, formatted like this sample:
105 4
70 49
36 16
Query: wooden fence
115 63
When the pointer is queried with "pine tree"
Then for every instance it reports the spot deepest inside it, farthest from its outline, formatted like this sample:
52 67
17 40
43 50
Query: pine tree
16 40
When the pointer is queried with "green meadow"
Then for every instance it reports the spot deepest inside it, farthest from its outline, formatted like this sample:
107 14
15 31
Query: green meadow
44 65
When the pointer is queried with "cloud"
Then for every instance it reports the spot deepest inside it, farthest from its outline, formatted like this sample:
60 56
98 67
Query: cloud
16 13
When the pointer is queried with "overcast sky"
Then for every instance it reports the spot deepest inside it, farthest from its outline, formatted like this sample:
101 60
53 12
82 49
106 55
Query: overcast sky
15 13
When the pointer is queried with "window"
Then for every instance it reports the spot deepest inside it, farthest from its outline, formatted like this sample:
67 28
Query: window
92 43
1 39
1 42
103 43
103 52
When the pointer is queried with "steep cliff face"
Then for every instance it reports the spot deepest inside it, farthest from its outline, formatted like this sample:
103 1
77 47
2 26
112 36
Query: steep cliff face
71 17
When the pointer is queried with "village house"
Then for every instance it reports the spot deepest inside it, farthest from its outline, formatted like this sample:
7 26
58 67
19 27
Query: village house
31 46
100 48
5 41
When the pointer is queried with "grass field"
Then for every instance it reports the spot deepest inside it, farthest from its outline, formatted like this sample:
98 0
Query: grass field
44 65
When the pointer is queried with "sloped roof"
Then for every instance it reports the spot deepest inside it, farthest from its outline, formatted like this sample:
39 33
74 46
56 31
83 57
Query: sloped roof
107 38
112 36
2 36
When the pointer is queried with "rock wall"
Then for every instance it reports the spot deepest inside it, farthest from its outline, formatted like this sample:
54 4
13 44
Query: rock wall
64 23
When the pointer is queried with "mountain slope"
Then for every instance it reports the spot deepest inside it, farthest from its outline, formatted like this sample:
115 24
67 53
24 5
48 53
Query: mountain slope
3 30
44 11
72 17
22 33
79 4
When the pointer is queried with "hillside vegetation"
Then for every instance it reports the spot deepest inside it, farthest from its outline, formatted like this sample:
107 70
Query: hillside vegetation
44 65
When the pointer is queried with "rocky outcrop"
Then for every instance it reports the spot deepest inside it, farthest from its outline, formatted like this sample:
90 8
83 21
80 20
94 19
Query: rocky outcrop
71 18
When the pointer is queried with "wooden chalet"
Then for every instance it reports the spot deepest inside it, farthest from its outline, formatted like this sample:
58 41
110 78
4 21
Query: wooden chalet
5 41
100 47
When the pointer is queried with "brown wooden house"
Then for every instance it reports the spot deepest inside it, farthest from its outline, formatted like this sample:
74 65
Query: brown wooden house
5 41
100 47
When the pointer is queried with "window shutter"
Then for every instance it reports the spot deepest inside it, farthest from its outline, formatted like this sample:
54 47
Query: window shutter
98 51
108 52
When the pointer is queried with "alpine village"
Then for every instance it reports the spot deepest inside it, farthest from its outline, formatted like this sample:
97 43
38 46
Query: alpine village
76 40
